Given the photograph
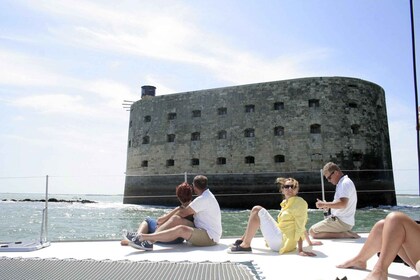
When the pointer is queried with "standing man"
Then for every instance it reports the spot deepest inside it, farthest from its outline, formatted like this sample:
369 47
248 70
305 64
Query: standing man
343 207
207 227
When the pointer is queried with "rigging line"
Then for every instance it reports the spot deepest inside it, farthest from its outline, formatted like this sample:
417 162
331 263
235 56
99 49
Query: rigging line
413 42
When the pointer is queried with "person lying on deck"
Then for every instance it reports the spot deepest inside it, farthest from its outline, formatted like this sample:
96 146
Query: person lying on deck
397 234
289 230
206 229
149 225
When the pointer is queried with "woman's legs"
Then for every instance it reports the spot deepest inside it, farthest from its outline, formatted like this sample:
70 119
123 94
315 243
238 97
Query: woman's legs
270 230
401 235
396 234
372 246
260 218
252 227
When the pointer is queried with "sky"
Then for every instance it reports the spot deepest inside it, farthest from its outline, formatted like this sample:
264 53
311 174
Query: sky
66 67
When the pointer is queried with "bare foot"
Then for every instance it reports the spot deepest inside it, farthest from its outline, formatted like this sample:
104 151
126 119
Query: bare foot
353 235
353 263
124 242
377 275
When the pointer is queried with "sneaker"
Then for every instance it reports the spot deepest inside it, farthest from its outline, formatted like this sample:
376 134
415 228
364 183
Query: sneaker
239 250
141 245
237 243
129 235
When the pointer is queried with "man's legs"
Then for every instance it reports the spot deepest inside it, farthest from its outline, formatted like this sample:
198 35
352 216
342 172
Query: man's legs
331 229
173 222
169 234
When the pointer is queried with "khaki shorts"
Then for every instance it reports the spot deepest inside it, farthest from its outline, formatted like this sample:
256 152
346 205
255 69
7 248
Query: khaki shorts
200 237
332 224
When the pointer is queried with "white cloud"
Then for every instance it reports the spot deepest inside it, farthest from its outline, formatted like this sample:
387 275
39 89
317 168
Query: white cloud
142 30
18 69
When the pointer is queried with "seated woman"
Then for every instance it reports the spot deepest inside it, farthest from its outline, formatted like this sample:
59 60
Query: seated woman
150 225
289 230
397 234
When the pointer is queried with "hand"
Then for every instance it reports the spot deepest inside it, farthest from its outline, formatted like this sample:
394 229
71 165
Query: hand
321 204
307 254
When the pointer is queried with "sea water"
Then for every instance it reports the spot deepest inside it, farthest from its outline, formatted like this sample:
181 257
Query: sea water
105 219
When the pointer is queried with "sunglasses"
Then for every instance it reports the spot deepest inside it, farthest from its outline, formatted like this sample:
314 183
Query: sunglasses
288 187
329 177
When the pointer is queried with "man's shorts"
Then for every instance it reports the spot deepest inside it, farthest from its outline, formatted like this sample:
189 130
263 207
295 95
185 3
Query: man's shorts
200 237
331 224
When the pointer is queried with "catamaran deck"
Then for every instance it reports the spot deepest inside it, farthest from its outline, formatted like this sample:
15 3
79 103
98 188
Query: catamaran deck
270 264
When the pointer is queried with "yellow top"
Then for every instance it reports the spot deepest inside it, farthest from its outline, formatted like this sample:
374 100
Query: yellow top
292 221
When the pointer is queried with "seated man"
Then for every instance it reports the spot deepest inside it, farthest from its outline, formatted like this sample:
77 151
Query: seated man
207 227
343 207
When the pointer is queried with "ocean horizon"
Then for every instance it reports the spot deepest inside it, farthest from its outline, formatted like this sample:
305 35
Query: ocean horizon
108 216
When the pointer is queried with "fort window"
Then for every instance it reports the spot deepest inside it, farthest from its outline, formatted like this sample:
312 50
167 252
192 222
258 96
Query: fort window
278 106
249 132
171 137
222 134
313 103
353 105
195 136
249 160
195 161
170 162
357 157
222 111
146 140
221 160
129 143
171 116
147 119
315 129
355 129
196 114
278 158
131 123
279 131
249 108
144 163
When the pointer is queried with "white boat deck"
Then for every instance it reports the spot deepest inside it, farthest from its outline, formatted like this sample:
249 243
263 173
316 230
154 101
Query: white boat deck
270 264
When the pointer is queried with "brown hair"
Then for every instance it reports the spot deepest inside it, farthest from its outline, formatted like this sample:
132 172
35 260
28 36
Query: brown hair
200 182
184 192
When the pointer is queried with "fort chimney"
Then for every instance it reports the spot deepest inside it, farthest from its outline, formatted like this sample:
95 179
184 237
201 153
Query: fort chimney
148 91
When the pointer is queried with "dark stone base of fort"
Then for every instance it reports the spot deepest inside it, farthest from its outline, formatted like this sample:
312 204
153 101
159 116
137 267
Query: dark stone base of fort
243 191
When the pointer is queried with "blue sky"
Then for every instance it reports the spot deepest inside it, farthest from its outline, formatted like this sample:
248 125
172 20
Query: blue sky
67 66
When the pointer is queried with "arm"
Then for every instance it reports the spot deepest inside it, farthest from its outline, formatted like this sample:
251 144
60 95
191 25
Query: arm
310 242
162 219
336 204
304 253
180 211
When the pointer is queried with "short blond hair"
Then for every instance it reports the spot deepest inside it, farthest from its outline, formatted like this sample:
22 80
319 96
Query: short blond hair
330 167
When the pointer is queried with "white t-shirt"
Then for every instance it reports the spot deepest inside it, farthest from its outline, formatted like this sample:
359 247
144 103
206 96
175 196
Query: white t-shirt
207 215
346 188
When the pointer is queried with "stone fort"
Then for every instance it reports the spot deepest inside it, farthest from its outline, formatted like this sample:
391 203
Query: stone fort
243 137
